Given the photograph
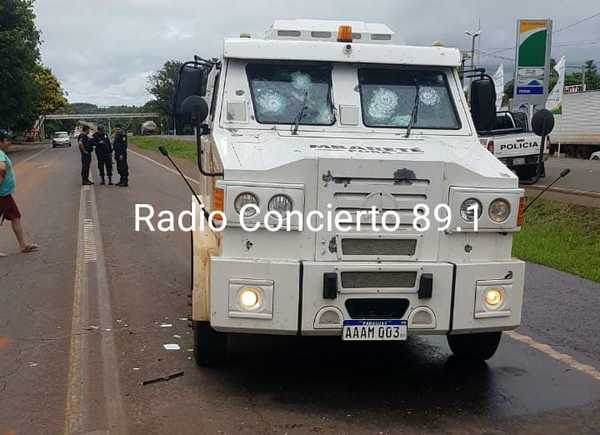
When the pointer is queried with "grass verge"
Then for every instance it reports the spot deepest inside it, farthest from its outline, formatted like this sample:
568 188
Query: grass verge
562 236
176 147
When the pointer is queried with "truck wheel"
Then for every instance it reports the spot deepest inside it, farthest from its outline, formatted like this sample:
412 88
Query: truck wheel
210 346
479 347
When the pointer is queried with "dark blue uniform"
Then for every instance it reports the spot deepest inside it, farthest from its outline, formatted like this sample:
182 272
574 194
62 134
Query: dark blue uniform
120 146
86 157
101 144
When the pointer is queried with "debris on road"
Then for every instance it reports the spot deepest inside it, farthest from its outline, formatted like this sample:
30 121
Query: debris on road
163 379
171 346
166 325
4 341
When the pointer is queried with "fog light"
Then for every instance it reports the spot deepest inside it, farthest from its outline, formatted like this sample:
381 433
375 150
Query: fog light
494 297
250 298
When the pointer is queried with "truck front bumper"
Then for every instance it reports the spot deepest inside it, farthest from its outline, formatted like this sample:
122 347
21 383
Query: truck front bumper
291 297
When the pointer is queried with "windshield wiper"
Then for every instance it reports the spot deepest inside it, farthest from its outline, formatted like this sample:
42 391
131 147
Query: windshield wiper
415 110
300 115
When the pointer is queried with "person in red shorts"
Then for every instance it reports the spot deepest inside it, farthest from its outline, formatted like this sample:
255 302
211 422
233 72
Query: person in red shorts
8 207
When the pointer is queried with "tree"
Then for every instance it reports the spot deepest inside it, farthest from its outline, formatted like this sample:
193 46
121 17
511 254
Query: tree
592 80
509 89
163 86
50 96
19 51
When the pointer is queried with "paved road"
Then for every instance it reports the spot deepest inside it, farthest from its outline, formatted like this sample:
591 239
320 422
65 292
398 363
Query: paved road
78 338
585 174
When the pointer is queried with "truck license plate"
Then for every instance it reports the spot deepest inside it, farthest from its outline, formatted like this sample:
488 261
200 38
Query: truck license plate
518 161
375 330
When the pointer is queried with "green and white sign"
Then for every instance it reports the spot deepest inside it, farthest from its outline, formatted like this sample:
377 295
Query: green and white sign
534 41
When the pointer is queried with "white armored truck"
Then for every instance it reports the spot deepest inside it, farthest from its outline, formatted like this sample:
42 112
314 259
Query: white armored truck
320 119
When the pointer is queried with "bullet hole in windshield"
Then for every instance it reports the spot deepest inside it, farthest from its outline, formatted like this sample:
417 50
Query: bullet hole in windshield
301 81
429 96
383 106
269 101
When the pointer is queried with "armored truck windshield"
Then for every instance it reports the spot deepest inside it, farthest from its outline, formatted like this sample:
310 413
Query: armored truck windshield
389 95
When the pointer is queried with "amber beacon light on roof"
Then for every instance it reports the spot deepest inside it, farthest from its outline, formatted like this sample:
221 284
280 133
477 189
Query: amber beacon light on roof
344 34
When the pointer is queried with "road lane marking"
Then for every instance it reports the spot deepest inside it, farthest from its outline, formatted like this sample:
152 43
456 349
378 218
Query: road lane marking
110 368
90 252
75 387
31 157
90 269
164 166
554 354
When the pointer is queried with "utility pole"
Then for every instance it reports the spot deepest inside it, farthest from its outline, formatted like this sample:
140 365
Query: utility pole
473 35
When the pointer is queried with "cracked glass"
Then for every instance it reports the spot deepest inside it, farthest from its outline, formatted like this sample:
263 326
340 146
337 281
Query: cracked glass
388 96
279 92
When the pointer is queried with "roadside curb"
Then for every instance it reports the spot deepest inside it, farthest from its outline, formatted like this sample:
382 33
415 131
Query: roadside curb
566 191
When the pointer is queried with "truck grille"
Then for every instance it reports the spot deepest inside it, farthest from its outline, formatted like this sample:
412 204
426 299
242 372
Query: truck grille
378 279
396 187
377 308
379 247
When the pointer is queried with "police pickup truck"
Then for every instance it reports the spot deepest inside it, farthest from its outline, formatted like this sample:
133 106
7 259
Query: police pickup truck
514 144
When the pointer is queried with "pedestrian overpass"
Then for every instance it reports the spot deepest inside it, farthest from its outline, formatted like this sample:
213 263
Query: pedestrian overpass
93 117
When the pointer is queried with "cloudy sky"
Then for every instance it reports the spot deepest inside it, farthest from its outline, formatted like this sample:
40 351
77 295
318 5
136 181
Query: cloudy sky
103 50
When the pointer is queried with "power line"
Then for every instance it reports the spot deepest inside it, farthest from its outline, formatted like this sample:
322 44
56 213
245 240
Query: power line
576 23
566 44
562 29
495 56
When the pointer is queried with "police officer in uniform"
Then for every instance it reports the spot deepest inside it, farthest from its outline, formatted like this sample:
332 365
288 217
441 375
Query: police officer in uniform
120 146
101 143
85 147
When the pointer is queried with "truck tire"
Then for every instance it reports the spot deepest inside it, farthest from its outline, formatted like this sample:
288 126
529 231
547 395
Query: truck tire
210 346
476 347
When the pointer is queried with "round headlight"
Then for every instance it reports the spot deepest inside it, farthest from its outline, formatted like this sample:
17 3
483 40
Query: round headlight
281 204
499 210
244 199
467 211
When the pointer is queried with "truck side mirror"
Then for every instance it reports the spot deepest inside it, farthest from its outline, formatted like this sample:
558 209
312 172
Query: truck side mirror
190 89
196 106
483 104
542 122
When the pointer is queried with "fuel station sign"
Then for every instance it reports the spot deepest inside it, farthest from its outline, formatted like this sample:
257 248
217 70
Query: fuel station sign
534 42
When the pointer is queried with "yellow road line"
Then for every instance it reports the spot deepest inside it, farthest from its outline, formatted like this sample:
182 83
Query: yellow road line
554 354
